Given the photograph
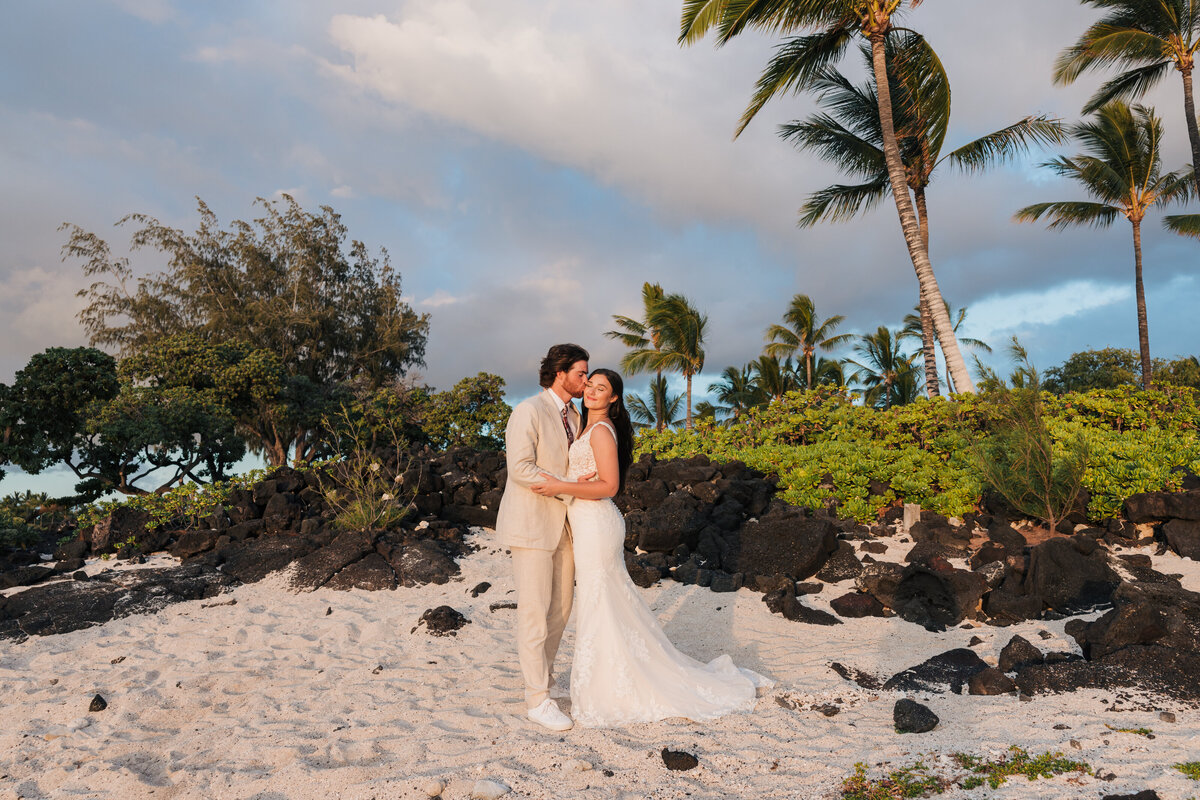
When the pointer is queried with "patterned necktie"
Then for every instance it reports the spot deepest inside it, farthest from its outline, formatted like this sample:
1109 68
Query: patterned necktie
567 426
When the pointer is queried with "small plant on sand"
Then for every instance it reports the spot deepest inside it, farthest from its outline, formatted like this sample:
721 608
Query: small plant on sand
1018 762
912 781
362 493
1189 768
1139 731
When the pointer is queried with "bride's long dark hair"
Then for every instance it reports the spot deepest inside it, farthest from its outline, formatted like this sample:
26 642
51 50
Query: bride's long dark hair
619 417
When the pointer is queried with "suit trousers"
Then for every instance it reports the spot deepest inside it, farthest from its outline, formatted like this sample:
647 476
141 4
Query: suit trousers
545 583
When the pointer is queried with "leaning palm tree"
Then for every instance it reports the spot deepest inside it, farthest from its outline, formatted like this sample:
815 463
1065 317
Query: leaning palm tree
640 335
659 409
914 329
885 371
682 329
1121 168
833 25
848 135
802 332
1145 39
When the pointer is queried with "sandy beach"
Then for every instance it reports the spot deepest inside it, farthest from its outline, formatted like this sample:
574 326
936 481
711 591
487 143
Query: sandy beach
270 694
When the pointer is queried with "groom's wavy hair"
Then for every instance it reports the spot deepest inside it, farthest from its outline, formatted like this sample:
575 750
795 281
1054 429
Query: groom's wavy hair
559 359
618 415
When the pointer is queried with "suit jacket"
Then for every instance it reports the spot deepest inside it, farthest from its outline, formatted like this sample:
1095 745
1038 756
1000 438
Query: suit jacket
534 442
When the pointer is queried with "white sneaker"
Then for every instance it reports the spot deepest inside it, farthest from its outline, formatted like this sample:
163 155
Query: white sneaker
549 715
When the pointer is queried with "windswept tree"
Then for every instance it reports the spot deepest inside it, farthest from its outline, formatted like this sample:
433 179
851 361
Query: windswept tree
802 333
1145 40
288 282
640 336
1122 168
831 26
682 329
884 370
774 377
848 134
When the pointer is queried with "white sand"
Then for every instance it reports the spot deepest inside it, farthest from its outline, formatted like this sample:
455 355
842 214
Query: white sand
272 698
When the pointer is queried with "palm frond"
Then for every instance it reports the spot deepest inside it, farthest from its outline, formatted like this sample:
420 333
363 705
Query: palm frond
840 203
794 66
1065 214
1128 85
1007 142
1183 224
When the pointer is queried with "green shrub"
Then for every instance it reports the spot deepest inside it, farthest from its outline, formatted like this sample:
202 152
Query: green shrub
923 451
182 506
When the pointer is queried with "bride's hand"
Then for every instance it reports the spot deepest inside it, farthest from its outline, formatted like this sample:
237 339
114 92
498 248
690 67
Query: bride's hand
549 487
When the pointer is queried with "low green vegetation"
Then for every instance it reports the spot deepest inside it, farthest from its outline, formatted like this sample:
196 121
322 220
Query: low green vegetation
1189 768
826 448
918 780
1017 762
1137 731
912 781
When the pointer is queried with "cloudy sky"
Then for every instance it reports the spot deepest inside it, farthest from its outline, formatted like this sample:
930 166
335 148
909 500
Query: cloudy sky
528 164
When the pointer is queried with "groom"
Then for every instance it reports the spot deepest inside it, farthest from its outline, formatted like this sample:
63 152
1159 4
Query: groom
539 433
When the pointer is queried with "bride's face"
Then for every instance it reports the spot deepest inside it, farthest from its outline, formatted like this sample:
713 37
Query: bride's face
598 394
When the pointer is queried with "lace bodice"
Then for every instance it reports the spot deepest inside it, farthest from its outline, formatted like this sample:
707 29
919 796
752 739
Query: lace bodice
581 459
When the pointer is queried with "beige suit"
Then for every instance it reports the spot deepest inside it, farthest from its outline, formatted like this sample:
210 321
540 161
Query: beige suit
535 529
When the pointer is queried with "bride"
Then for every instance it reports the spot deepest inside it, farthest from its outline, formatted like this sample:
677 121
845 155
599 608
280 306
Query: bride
625 669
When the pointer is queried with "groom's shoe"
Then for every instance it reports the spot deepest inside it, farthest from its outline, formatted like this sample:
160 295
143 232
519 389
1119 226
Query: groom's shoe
549 715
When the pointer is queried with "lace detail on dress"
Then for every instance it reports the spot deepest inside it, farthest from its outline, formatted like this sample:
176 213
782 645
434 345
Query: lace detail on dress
625 669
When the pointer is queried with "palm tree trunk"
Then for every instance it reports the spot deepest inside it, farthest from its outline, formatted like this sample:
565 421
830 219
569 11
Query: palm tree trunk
1143 326
931 295
928 336
689 401
808 357
1189 111
658 405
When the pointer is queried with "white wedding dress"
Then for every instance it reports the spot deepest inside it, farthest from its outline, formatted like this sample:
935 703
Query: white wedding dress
625 669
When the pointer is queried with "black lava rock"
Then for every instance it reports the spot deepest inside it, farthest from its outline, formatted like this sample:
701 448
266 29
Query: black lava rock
679 760
910 716
442 621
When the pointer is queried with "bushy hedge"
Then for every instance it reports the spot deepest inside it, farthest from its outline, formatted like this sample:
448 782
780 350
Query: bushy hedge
823 446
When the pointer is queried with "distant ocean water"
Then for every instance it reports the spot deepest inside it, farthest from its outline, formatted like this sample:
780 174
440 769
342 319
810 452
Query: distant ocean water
59 480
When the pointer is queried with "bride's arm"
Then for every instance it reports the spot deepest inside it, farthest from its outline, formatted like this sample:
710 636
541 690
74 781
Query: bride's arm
608 478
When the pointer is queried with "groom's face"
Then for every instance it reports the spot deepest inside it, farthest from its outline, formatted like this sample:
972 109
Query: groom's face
575 379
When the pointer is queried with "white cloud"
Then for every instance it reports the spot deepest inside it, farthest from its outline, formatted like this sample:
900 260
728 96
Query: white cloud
439 299
599 93
1001 314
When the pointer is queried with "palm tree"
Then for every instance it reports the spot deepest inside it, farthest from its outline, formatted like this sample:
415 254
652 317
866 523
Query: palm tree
736 392
849 135
834 24
659 408
640 335
682 329
830 372
1122 168
1146 39
885 371
914 329
802 333
774 378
